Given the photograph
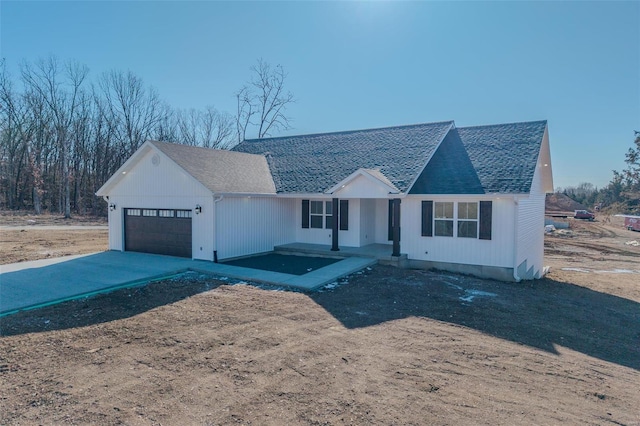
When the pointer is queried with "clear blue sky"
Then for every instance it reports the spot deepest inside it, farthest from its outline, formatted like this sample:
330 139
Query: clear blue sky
364 65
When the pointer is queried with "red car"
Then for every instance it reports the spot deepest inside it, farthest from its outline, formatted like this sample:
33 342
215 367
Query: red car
584 214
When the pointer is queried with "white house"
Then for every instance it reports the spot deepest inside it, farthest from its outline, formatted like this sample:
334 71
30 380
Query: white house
468 199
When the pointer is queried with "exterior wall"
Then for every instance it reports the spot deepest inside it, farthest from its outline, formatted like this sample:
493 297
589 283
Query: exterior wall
497 252
163 186
350 238
249 225
530 231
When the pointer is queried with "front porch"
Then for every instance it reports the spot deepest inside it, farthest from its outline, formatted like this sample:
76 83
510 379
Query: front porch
381 252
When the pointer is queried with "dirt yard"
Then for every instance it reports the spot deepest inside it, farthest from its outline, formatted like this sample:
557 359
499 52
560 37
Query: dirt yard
26 237
386 346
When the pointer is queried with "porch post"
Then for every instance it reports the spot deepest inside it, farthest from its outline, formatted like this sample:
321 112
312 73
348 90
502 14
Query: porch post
334 225
396 227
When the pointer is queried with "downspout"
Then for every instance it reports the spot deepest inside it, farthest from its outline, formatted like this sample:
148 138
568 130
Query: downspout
515 241
216 200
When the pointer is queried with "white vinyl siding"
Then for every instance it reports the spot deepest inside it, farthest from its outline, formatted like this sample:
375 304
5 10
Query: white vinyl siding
473 251
530 232
248 225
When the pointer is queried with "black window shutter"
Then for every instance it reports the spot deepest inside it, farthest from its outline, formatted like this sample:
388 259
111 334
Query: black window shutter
486 212
305 213
344 215
427 218
390 232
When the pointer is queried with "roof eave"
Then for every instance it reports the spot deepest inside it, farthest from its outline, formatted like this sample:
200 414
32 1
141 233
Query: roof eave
126 167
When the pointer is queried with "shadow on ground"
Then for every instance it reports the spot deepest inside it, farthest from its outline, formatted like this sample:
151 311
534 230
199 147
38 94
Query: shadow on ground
541 314
103 308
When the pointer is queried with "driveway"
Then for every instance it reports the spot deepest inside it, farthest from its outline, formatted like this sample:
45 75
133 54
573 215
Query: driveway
32 284
27 284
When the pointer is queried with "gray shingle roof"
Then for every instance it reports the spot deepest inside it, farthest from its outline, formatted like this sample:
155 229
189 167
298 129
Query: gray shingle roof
504 156
484 159
315 163
222 171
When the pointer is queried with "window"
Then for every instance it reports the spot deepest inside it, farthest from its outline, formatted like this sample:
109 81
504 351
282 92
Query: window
165 213
133 212
328 218
472 220
149 212
468 220
319 214
443 219
186 214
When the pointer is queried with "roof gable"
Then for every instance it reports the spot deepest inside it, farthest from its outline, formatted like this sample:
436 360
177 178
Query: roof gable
315 163
364 183
449 171
219 171
222 171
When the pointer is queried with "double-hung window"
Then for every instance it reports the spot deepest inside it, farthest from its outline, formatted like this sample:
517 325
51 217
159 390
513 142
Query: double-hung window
468 220
320 212
443 219
471 219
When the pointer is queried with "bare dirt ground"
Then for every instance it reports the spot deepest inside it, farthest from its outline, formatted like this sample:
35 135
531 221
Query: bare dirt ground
26 237
386 346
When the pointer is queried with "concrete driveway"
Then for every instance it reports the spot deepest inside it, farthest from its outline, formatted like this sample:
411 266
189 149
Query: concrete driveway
28 284
31 284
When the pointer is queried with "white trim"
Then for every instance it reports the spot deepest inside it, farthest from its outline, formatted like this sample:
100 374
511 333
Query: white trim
246 194
363 172
472 197
306 195
544 162
128 165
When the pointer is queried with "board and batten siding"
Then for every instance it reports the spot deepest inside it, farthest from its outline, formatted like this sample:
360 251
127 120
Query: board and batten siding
249 225
496 252
530 231
161 184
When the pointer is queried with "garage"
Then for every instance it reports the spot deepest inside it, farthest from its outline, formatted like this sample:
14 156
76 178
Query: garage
158 231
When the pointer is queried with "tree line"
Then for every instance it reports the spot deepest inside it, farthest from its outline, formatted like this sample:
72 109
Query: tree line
63 134
621 195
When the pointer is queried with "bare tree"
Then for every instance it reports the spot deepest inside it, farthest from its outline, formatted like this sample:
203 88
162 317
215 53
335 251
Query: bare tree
209 128
133 111
262 102
216 129
13 120
60 139
61 92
